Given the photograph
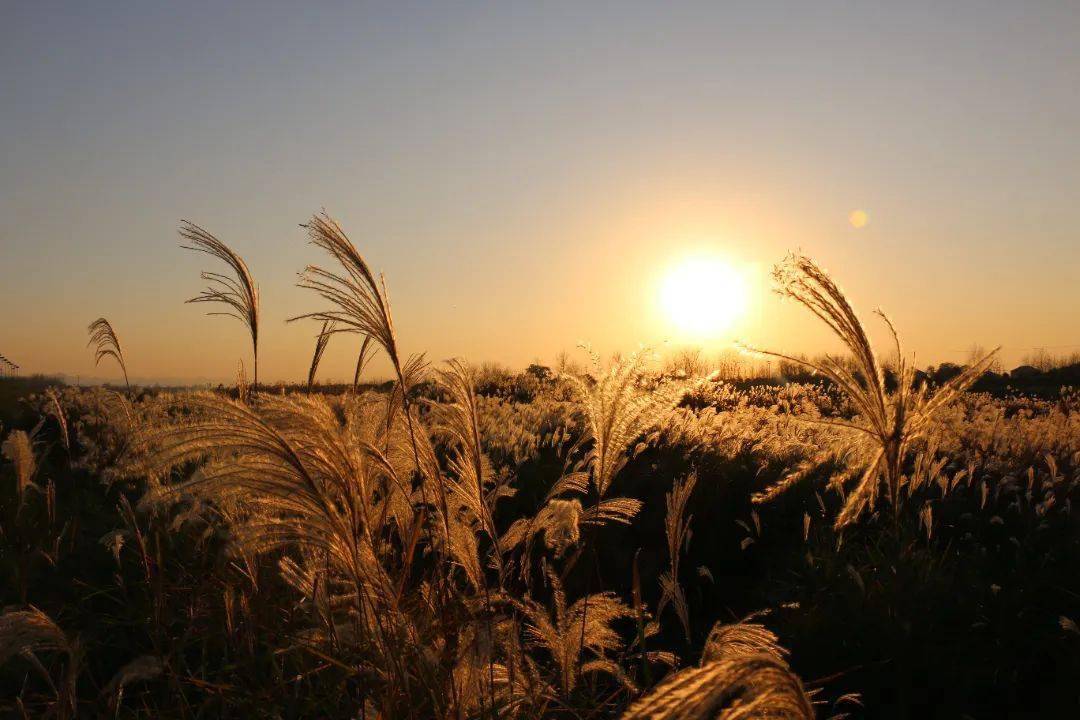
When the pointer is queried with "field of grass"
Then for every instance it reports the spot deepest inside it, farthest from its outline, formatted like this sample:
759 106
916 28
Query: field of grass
612 542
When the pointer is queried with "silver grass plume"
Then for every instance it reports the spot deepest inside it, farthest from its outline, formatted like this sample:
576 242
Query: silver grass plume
359 299
361 305
677 529
743 687
106 344
324 482
320 347
28 632
473 487
237 291
19 449
618 410
568 632
741 639
301 470
886 423
362 359
142 668
57 411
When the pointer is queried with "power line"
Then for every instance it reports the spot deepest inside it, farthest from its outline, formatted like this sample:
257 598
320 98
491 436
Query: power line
7 367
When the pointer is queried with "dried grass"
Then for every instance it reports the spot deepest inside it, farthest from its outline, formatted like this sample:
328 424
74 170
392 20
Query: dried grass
736 688
106 344
238 292
887 423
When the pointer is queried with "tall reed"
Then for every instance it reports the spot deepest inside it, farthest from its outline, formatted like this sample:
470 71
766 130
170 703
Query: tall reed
320 347
18 447
362 359
744 687
237 291
360 304
28 632
618 408
322 485
677 530
887 423
106 344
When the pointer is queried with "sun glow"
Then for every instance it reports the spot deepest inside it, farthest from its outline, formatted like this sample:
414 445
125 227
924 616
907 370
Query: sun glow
703 296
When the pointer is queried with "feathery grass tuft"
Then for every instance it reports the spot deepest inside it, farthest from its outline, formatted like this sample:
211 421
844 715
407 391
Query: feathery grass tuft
737 688
27 631
239 291
568 632
361 305
360 302
887 423
106 344
677 529
618 410
362 359
741 639
474 487
19 449
320 347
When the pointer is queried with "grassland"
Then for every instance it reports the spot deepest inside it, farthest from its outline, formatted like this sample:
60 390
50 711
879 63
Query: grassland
616 540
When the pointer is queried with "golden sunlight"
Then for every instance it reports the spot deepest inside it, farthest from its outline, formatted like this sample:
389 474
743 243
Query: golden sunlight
703 296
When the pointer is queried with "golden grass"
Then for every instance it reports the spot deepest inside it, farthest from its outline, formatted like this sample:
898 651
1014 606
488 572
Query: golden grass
28 632
677 530
238 292
567 631
106 344
382 512
18 448
362 359
618 409
887 423
321 342
736 688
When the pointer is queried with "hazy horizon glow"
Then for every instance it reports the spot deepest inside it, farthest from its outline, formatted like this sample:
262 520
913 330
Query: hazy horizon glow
525 176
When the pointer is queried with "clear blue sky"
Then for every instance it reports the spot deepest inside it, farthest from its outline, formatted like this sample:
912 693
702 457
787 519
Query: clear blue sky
523 173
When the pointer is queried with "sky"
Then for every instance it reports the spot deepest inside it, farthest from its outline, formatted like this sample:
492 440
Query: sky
526 175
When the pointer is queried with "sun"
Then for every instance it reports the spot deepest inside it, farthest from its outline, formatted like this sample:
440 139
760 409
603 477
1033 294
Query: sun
703 296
